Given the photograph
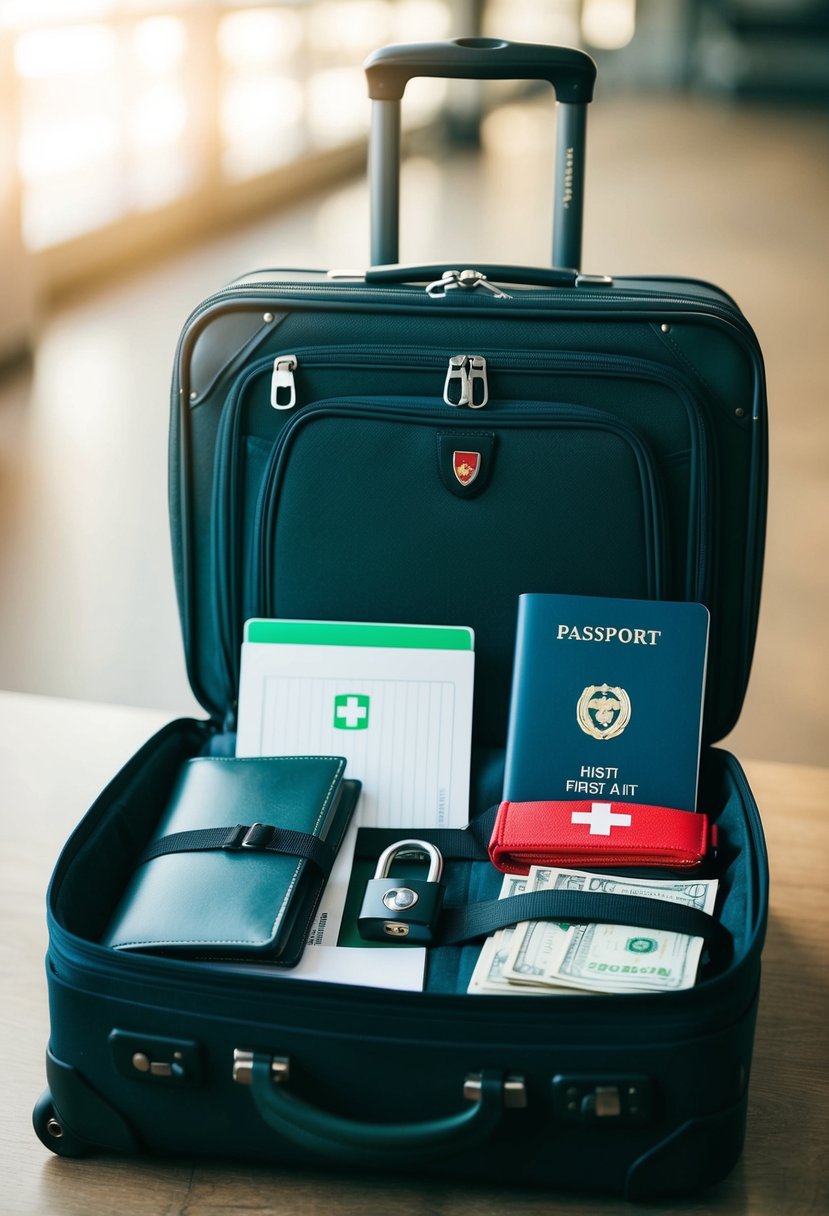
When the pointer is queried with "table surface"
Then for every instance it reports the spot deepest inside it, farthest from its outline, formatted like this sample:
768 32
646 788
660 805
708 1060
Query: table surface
54 758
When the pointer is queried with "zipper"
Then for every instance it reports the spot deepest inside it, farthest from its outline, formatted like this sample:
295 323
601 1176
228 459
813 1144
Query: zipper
468 374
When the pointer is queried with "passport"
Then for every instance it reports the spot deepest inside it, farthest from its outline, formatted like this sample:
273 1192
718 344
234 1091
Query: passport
606 700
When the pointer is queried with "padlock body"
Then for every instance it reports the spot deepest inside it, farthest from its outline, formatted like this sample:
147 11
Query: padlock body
379 922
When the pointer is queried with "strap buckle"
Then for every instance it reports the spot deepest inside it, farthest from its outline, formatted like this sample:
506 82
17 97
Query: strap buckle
253 836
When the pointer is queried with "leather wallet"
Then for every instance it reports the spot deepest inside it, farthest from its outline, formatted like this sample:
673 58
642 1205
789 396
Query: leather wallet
239 859
598 834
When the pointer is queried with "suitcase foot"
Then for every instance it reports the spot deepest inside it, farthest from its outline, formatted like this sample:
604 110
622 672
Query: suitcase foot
70 1104
53 1132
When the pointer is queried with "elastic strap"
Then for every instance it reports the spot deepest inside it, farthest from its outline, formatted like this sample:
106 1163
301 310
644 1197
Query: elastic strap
455 844
582 907
245 838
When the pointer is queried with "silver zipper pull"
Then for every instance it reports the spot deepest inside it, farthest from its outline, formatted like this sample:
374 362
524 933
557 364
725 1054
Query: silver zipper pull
466 280
477 375
438 289
283 384
470 373
457 371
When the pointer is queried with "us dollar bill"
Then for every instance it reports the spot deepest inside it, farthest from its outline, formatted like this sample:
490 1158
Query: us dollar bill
488 974
609 958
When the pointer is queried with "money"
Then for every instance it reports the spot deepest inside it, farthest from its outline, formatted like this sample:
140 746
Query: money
607 958
488 975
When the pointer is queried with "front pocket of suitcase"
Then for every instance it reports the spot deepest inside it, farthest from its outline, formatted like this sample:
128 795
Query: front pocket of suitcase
364 515
644 396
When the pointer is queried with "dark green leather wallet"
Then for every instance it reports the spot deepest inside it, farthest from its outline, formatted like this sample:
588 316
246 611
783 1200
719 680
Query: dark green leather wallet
239 860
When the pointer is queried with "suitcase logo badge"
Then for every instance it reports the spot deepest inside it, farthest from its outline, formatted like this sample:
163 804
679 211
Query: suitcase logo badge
466 466
603 711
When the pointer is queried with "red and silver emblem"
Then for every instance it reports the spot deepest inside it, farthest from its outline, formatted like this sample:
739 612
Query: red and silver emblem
466 466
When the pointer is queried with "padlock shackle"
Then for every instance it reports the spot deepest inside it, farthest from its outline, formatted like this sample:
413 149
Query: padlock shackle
388 856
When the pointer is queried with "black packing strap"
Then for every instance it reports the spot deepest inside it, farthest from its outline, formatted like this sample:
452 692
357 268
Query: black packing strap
455 844
583 907
245 838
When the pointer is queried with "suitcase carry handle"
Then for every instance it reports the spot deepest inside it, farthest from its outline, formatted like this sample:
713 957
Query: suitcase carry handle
374 1144
496 274
572 74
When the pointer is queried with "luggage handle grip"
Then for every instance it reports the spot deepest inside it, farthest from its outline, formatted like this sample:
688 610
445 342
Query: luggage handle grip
533 276
372 1144
572 74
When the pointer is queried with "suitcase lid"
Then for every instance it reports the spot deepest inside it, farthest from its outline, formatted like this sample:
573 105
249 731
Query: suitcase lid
231 331
692 328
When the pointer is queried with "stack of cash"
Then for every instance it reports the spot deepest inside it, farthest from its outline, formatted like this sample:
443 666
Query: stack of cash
543 958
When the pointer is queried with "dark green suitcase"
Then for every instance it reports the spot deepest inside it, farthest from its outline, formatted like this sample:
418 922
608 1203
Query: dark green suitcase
619 435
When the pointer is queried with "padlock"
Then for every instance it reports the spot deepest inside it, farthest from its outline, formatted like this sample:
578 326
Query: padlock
406 911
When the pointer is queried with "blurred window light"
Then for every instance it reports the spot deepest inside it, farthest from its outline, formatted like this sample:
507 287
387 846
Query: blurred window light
349 28
608 25
159 44
424 99
66 145
553 21
70 51
21 14
261 121
158 116
420 20
337 108
160 176
81 210
259 36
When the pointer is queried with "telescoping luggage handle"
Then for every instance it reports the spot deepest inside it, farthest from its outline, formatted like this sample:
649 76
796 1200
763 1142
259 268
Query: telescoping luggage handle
572 74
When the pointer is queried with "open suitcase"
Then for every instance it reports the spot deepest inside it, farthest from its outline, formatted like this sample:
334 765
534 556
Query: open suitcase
313 424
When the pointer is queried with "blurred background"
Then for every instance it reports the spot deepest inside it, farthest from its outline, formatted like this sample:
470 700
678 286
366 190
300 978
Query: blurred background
151 150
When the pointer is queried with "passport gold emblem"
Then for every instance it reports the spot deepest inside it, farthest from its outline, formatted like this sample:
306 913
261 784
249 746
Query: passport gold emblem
603 711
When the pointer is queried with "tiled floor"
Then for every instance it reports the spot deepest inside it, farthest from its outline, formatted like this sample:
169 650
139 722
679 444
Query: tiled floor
738 196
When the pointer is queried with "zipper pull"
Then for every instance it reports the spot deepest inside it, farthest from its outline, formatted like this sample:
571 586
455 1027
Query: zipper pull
469 371
477 375
282 382
467 280
456 371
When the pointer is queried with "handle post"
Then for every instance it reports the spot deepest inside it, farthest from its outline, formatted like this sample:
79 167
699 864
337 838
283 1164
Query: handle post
568 185
384 181
572 75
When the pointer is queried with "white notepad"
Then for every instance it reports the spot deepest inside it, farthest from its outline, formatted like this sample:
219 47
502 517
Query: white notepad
395 700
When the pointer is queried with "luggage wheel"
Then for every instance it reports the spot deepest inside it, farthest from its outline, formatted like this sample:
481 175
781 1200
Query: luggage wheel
53 1132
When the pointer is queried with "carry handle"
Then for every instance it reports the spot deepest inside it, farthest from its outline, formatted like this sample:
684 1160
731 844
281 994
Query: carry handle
572 74
496 274
336 1138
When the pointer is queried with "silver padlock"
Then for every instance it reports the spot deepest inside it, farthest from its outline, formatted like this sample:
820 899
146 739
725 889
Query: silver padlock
408 910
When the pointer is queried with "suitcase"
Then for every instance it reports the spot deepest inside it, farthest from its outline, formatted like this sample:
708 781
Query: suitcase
622 427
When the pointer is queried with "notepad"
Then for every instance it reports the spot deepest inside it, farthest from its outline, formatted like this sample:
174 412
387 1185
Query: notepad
395 700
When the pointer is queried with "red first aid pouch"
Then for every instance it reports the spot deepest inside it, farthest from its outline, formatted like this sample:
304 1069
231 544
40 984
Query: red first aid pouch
603 834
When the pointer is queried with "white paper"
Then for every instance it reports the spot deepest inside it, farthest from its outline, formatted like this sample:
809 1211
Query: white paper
404 723
402 968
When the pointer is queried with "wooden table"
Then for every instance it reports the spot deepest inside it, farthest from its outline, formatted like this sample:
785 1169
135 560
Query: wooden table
56 755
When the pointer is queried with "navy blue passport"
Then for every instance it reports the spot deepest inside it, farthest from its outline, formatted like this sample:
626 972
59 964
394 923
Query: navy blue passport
606 700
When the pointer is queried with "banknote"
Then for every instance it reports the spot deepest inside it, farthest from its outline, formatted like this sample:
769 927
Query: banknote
488 975
609 958
536 946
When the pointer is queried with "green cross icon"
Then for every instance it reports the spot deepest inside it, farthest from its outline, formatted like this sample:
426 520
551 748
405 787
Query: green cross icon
351 711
